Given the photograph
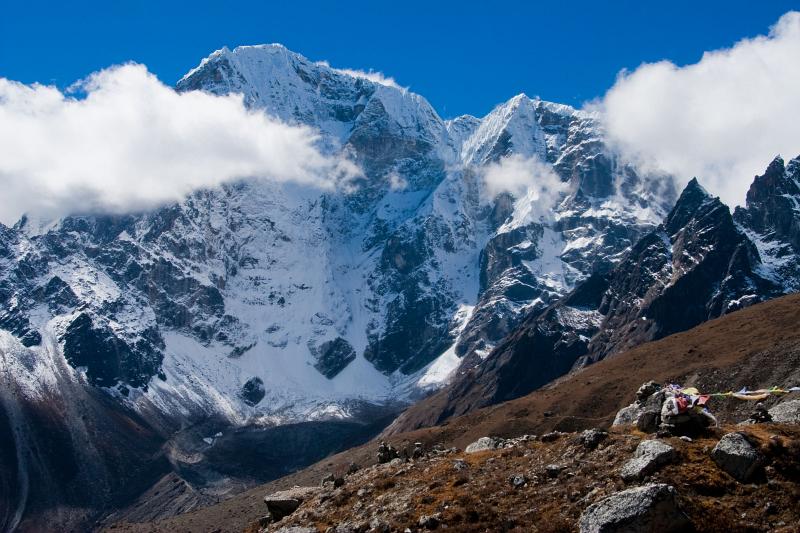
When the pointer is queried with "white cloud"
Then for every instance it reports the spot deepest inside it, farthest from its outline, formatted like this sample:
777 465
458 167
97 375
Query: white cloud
133 143
376 77
397 182
371 75
722 119
527 179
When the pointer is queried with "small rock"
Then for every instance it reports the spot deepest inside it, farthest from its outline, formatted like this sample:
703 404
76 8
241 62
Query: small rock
760 415
548 414
517 480
377 525
735 455
285 502
641 509
296 529
327 479
591 438
649 455
483 444
786 412
552 436
554 470
647 390
685 438
352 468
386 452
417 452
396 462
460 465
429 522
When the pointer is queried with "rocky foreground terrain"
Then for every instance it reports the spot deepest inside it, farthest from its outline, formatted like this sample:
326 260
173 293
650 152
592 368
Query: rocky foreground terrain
561 479
591 481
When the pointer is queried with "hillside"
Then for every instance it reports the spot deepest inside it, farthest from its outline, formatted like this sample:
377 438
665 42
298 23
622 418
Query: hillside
756 347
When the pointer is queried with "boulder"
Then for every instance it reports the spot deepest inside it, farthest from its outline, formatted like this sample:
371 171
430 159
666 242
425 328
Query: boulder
735 455
648 421
786 412
285 502
591 438
627 416
648 457
647 408
643 509
483 444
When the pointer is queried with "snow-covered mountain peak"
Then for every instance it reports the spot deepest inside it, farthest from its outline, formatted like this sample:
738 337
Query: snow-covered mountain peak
297 90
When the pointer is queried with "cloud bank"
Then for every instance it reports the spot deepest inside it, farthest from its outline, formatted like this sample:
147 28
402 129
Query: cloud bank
722 119
527 179
133 143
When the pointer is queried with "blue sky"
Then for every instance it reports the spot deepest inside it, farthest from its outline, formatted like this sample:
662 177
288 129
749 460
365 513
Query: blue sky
464 57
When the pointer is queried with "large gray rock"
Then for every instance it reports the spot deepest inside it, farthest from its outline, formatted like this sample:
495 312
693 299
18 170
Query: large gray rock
786 412
735 455
285 502
483 444
649 455
644 509
645 412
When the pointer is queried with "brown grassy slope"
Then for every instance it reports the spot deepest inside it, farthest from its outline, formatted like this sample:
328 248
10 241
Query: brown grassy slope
758 346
